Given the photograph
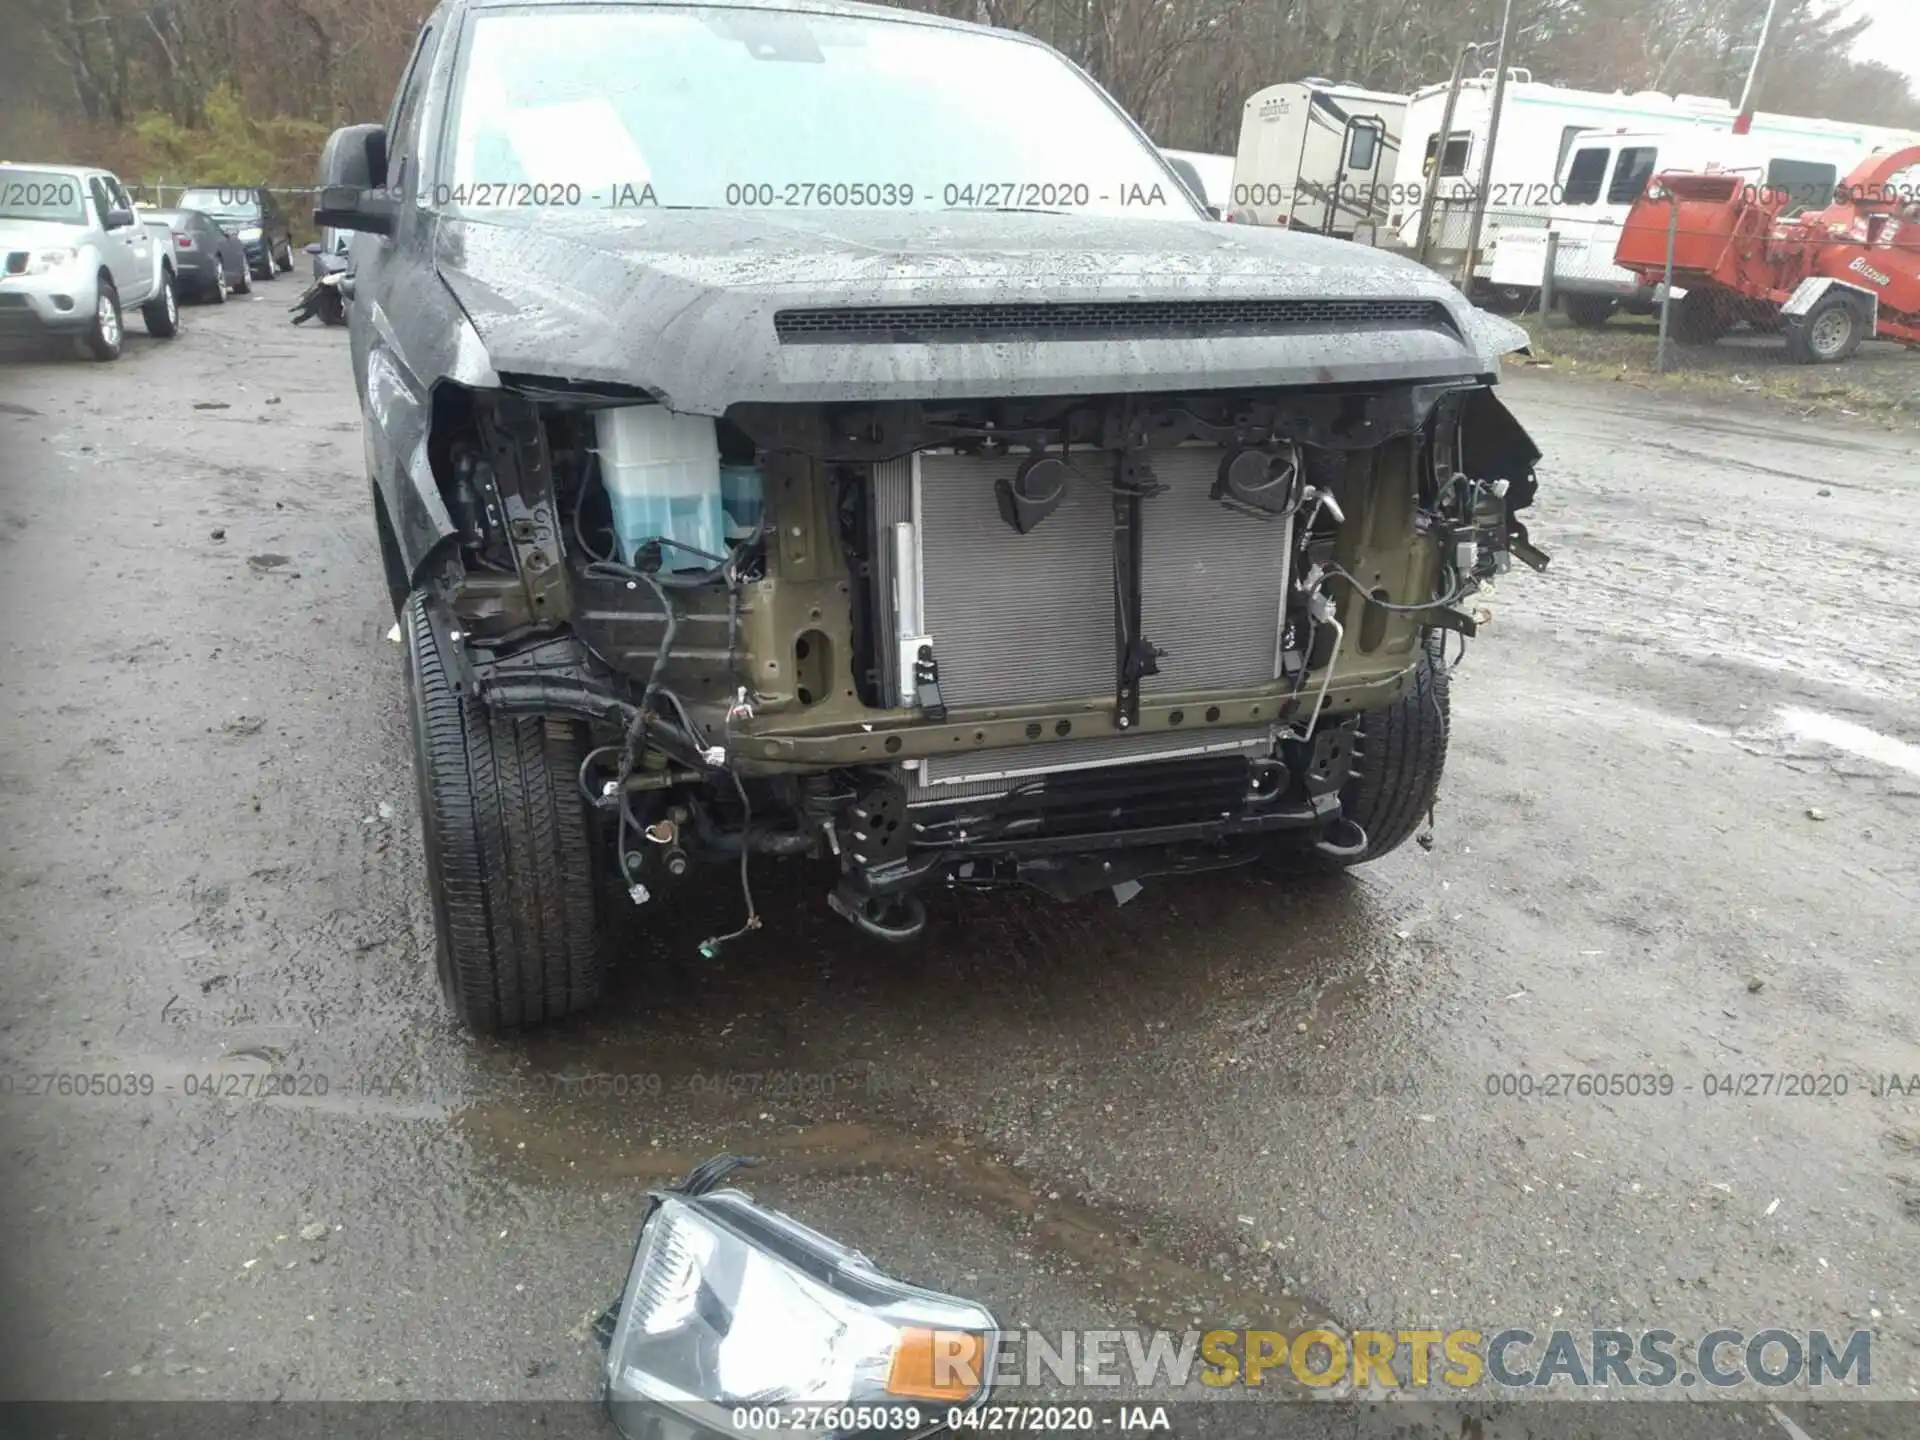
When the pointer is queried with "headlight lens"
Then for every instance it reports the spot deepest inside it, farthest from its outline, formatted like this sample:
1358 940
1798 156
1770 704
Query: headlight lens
42 261
249 232
729 1305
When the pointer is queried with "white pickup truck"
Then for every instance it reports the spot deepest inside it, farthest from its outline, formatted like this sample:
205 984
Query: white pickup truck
73 252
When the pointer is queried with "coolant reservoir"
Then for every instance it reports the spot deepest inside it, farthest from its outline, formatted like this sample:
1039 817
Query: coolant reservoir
742 495
661 472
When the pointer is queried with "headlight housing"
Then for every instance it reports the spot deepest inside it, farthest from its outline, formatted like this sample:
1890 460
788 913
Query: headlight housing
42 262
730 1311
249 232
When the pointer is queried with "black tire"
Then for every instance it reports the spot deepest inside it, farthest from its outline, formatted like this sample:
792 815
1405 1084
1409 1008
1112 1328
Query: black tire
107 336
244 285
1700 317
1510 299
1828 333
333 310
217 292
510 872
1398 760
162 312
1589 312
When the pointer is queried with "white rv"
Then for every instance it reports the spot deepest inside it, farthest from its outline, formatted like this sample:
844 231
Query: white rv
1606 172
1215 172
1539 125
1317 156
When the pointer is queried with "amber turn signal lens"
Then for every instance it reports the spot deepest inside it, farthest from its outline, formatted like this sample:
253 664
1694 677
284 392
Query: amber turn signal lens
938 1365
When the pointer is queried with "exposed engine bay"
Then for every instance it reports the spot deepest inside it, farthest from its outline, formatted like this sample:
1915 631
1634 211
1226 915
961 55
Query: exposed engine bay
1066 643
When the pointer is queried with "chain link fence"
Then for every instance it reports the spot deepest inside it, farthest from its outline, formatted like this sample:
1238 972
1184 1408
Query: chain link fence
1594 294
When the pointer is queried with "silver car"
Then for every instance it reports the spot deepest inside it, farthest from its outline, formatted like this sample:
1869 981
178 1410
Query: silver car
74 251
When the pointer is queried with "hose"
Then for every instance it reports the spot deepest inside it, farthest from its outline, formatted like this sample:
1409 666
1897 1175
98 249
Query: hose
1326 678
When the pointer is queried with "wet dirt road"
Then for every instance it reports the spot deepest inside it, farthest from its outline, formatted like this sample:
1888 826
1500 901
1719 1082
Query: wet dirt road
1231 1101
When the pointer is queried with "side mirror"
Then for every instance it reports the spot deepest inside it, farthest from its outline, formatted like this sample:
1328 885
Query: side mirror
1189 177
353 168
119 219
312 247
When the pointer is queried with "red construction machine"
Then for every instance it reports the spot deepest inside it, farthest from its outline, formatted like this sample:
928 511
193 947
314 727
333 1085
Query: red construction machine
1829 278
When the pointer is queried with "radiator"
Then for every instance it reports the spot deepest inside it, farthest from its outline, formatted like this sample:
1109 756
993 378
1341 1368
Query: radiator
1018 618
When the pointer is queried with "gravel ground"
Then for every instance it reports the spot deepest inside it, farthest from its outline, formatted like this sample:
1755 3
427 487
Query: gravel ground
1677 837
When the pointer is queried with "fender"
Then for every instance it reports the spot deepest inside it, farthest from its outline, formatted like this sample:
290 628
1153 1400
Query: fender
396 426
1813 289
398 416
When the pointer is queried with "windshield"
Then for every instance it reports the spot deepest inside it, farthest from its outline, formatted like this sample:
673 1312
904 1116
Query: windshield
233 204
41 195
779 110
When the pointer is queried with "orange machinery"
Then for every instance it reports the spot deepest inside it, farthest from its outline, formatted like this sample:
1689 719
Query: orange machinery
1830 278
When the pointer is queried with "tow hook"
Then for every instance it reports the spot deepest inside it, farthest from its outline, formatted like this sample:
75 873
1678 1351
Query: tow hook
1342 840
893 918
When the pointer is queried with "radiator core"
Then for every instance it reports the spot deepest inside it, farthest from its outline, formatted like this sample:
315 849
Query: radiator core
1017 618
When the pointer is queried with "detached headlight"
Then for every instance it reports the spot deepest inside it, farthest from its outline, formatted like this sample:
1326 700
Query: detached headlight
249 232
40 262
737 1320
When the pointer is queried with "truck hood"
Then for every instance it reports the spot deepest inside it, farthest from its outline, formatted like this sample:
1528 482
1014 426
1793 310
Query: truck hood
682 304
39 235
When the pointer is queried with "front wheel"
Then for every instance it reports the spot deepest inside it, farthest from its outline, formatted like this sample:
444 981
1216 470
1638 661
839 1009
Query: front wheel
162 312
1828 333
106 335
1398 758
509 858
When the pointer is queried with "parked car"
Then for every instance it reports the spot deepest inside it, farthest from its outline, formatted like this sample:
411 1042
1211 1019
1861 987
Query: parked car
948 498
253 214
75 251
208 260
327 295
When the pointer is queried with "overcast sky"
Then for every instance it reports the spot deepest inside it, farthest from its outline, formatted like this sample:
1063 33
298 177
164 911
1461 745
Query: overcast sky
1894 37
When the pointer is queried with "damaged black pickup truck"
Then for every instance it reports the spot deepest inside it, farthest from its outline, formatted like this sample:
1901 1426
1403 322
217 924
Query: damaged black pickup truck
816 429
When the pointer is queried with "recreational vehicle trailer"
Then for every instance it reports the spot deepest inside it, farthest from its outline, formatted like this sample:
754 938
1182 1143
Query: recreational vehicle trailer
1606 173
1215 172
1314 155
1539 124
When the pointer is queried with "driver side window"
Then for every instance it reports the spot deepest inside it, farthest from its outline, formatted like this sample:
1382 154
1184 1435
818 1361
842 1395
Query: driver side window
118 193
102 201
403 146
